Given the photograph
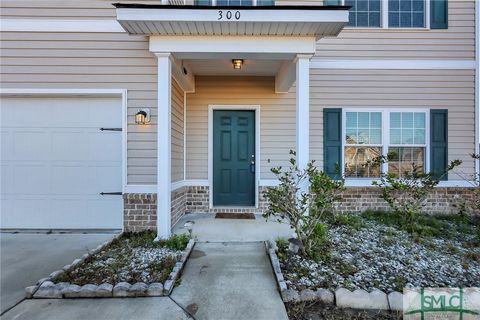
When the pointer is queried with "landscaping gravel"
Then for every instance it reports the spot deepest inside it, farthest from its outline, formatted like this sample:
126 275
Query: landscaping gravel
383 257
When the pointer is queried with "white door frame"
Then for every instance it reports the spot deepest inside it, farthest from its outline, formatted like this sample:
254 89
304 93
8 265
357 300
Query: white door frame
29 92
211 108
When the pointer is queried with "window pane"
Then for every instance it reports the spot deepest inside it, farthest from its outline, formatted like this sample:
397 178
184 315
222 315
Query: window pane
357 162
406 13
363 128
404 159
364 13
407 128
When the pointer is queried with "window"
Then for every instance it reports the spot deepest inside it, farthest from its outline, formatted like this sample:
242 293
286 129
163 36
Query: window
364 13
406 13
363 143
407 142
370 134
389 13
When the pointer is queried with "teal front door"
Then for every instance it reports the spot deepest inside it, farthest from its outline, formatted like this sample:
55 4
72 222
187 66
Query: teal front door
233 158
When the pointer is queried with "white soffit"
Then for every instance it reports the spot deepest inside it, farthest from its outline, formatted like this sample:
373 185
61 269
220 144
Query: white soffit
315 21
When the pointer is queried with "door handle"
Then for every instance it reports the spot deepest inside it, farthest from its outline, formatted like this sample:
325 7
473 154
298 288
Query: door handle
252 167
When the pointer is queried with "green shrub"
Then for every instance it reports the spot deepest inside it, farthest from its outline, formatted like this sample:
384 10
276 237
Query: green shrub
407 194
175 242
304 197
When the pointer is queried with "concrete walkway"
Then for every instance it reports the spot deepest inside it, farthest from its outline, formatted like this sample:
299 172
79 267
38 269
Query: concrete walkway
27 257
97 309
207 228
230 281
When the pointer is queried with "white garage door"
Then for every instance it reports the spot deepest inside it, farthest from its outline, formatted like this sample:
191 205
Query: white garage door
55 162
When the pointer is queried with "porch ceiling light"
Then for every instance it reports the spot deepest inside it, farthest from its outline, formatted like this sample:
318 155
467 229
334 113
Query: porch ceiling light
237 64
142 116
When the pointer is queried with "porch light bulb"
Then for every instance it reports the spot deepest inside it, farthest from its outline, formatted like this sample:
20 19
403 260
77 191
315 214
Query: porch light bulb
237 64
141 117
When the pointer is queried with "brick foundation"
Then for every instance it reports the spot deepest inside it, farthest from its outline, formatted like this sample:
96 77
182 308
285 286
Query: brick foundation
140 210
441 200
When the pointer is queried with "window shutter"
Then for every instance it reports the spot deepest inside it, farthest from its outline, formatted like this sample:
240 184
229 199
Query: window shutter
439 142
332 141
438 14
332 2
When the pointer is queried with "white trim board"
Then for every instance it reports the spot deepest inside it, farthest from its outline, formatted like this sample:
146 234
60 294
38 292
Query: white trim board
393 64
44 25
31 92
255 108
368 183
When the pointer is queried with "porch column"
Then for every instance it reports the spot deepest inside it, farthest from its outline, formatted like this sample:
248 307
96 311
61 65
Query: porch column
303 111
164 145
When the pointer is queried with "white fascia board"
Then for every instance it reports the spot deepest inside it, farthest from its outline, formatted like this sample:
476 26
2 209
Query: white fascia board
233 44
44 25
203 15
393 64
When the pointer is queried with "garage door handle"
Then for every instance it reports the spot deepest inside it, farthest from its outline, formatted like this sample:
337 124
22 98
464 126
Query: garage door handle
110 129
111 193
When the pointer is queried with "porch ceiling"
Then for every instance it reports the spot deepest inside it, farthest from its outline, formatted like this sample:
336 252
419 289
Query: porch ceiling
317 21
224 67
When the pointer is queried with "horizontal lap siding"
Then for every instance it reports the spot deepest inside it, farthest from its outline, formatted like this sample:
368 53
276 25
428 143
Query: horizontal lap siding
177 132
62 9
91 61
440 89
457 42
277 118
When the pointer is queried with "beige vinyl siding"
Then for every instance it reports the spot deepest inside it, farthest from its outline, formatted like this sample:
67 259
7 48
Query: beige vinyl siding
436 89
62 9
456 42
177 132
91 61
277 117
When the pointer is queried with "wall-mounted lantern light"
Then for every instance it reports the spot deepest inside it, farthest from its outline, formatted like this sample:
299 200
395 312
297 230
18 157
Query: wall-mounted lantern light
142 116
237 64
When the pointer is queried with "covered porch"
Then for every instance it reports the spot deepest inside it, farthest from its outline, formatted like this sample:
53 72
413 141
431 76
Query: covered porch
221 127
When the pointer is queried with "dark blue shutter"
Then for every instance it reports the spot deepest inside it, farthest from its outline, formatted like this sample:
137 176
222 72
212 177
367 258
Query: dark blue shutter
332 141
438 14
439 142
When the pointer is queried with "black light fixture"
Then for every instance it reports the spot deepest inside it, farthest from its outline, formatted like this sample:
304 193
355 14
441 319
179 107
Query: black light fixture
142 116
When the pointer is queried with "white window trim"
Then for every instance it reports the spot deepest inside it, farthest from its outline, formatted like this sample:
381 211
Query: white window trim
255 108
384 18
385 139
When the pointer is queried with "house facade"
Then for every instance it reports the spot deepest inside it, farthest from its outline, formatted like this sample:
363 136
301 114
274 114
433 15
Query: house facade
130 115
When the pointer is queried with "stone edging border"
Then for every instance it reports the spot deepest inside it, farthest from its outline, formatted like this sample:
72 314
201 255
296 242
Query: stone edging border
46 289
342 298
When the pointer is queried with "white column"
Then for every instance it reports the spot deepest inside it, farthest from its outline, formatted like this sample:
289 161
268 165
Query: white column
303 110
164 145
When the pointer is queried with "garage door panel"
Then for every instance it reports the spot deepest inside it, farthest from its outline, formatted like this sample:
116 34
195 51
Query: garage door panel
54 168
98 181
69 179
105 147
29 179
31 145
70 146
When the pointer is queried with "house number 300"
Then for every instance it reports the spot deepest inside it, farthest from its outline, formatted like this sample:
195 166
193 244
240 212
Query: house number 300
229 15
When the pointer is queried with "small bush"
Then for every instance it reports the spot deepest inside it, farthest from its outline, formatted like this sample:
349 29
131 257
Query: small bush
304 197
176 242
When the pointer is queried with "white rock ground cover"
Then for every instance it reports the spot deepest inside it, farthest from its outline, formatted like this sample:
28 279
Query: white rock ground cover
132 258
374 255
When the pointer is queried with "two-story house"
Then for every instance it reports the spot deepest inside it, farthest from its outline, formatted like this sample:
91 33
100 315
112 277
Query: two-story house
185 106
